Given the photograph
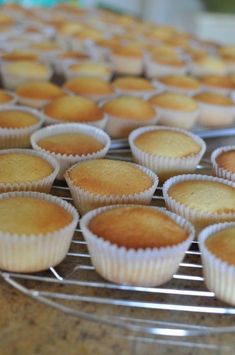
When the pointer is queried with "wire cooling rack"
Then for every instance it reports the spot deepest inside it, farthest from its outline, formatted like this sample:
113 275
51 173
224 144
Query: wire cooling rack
182 307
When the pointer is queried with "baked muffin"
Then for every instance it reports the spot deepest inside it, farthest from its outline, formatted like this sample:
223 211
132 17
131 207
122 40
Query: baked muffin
218 84
19 55
216 110
62 60
131 239
7 98
101 182
208 66
127 59
175 109
36 231
216 244
167 151
91 87
201 199
126 113
17 73
77 109
17 124
223 161
70 143
38 93
182 84
134 86
23 169
100 70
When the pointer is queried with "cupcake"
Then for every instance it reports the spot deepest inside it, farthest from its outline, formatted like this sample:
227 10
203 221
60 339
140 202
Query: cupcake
181 84
216 244
17 73
17 124
167 151
100 182
228 55
47 50
126 113
201 199
26 170
7 98
175 109
20 55
38 93
136 245
127 59
36 231
100 70
207 66
223 161
218 84
157 66
66 58
134 86
78 109
215 110
90 87
71 143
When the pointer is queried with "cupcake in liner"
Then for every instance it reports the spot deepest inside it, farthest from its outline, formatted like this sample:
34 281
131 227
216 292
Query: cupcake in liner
36 252
12 98
200 219
220 171
70 73
216 116
42 185
66 161
154 69
127 65
166 167
218 274
179 119
19 137
86 201
140 267
176 89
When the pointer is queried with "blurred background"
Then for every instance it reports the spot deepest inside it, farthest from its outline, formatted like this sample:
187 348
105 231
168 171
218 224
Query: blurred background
209 19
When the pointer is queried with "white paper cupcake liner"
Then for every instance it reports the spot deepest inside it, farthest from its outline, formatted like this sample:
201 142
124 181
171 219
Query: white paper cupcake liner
156 70
198 70
66 161
200 219
41 185
12 101
216 116
219 275
216 90
86 201
71 74
127 65
140 267
32 253
12 81
179 119
165 167
145 94
218 170
19 137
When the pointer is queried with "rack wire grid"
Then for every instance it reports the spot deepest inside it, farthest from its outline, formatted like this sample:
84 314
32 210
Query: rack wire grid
181 307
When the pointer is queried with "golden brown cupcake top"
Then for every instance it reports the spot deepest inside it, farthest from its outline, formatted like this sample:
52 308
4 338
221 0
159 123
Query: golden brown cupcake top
137 227
22 167
19 55
109 177
181 81
205 196
129 107
4 97
210 63
167 143
222 245
73 109
71 143
128 51
89 86
168 60
220 81
133 83
73 55
16 119
163 51
109 43
227 52
90 68
39 90
213 99
45 46
28 215
174 101
26 69
226 160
